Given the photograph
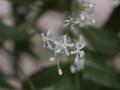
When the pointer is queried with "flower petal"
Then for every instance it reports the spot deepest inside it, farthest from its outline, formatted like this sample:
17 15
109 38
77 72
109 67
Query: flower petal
49 45
72 26
66 24
73 52
66 51
81 46
71 45
81 64
82 53
58 50
43 35
77 58
65 39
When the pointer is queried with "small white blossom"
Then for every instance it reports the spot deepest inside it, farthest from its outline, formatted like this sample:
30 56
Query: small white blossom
63 46
79 58
78 51
71 22
85 18
47 39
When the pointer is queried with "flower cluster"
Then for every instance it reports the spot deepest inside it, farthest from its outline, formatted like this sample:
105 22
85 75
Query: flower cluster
86 16
65 45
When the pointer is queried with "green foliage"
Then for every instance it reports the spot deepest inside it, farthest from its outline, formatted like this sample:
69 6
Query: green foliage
97 75
11 33
103 41
101 75
48 77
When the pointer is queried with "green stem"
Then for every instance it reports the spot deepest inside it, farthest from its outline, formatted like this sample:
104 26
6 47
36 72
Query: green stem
77 81
67 33
73 7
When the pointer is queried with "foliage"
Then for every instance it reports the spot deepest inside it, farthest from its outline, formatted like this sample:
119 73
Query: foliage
97 75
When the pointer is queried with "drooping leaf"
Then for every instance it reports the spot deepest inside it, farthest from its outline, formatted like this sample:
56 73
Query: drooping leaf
49 78
103 41
11 33
64 84
101 75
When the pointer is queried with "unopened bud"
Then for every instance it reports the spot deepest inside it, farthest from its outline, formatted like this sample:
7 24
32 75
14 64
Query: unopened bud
52 59
72 69
60 72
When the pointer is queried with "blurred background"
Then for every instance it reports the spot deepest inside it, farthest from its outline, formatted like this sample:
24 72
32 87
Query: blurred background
22 55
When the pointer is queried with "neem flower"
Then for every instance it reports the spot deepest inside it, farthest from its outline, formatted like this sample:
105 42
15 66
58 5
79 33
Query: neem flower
47 39
62 47
71 22
78 51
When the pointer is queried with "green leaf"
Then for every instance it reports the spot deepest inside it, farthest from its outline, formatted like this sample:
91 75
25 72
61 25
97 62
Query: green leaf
4 84
11 33
99 72
65 84
88 85
49 77
103 41
101 75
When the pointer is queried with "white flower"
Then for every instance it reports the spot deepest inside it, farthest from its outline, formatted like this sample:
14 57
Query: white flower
78 51
71 22
47 39
63 47
79 59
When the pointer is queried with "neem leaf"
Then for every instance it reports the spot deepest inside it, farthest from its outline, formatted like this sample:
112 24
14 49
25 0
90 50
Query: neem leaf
103 41
11 33
49 77
101 75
